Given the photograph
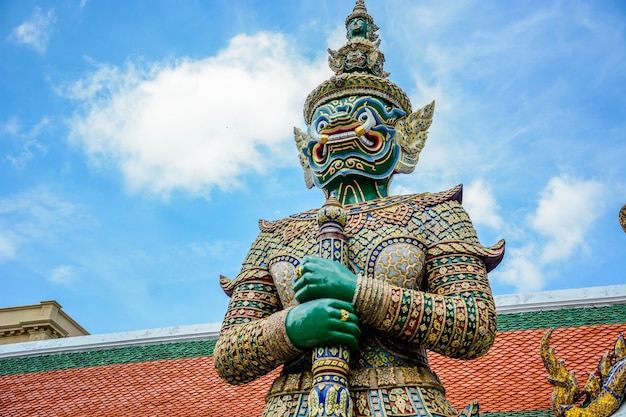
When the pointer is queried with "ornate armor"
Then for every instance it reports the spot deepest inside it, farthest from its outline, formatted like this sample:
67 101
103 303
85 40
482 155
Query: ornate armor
422 285
411 275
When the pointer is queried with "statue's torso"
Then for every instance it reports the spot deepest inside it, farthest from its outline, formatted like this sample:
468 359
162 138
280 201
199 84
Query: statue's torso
387 240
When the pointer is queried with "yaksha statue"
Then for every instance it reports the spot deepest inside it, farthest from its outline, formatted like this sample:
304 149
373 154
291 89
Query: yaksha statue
349 298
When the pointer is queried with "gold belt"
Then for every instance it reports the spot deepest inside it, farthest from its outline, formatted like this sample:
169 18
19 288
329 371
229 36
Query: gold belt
362 379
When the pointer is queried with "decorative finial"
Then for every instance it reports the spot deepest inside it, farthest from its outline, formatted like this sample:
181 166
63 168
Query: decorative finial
360 54
358 68
359 24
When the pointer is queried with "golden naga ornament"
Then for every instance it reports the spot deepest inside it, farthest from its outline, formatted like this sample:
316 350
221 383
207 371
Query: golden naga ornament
603 392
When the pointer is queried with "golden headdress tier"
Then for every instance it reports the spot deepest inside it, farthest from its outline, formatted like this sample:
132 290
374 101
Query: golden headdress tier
353 84
358 67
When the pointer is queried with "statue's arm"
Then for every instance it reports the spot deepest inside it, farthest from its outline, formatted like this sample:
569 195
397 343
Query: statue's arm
456 319
454 316
253 339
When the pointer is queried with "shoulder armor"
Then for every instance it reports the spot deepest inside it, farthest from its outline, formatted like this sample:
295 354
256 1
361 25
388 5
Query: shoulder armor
269 226
432 199
491 256
273 225
249 275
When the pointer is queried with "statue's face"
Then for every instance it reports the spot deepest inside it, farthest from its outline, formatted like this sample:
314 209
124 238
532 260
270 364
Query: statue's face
357 27
353 136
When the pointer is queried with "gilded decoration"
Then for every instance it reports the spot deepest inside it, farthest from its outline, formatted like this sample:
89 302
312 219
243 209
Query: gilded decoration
603 392
350 298
454 317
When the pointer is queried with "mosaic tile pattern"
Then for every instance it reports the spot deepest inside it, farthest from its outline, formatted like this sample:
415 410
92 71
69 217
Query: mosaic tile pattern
447 308
121 355
573 317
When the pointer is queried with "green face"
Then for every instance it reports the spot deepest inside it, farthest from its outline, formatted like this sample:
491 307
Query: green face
353 136
357 28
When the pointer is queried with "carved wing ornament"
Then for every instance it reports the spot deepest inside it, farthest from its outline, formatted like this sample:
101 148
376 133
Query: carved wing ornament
302 139
411 135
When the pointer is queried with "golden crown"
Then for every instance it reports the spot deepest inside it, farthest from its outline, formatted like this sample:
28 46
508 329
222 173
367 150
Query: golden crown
358 67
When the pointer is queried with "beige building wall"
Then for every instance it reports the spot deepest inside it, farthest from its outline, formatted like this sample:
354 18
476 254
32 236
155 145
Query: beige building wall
42 321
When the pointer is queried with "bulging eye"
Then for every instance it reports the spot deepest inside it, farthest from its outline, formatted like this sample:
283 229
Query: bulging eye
321 125
363 116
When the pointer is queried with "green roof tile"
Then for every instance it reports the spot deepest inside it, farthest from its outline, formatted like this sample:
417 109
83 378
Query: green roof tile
114 356
573 317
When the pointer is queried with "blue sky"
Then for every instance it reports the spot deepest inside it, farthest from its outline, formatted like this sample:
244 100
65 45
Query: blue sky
140 142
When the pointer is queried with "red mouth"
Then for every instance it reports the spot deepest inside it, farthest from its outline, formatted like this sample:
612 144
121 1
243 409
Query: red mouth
369 142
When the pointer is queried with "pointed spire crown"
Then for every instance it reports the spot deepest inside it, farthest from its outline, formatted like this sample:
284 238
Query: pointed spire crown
360 53
358 67
360 24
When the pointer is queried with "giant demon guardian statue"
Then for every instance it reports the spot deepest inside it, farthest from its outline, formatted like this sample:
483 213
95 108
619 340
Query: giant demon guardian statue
348 298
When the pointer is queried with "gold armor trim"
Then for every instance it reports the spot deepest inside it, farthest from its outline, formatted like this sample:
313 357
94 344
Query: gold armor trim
361 380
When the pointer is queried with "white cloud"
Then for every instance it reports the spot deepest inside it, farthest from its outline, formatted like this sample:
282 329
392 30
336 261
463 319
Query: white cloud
30 146
26 153
8 245
481 205
12 126
521 270
400 189
63 275
37 216
337 38
194 125
35 31
566 210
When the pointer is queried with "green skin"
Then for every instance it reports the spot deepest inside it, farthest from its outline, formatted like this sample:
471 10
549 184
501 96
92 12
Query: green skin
354 171
316 321
371 189
357 28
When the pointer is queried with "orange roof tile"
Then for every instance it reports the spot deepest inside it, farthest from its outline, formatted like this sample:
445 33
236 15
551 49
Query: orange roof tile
509 378
178 387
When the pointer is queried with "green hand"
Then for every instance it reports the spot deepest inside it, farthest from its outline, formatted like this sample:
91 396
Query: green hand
319 323
323 278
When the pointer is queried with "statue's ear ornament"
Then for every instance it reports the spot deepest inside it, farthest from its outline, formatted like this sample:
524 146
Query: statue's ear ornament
302 139
411 135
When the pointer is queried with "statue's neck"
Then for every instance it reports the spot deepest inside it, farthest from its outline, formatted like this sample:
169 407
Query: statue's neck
354 190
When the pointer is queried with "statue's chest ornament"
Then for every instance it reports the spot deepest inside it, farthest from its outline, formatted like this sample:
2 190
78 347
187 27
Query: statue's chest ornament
382 247
283 268
398 215
398 260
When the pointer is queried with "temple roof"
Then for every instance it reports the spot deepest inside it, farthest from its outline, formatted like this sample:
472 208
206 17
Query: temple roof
169 371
